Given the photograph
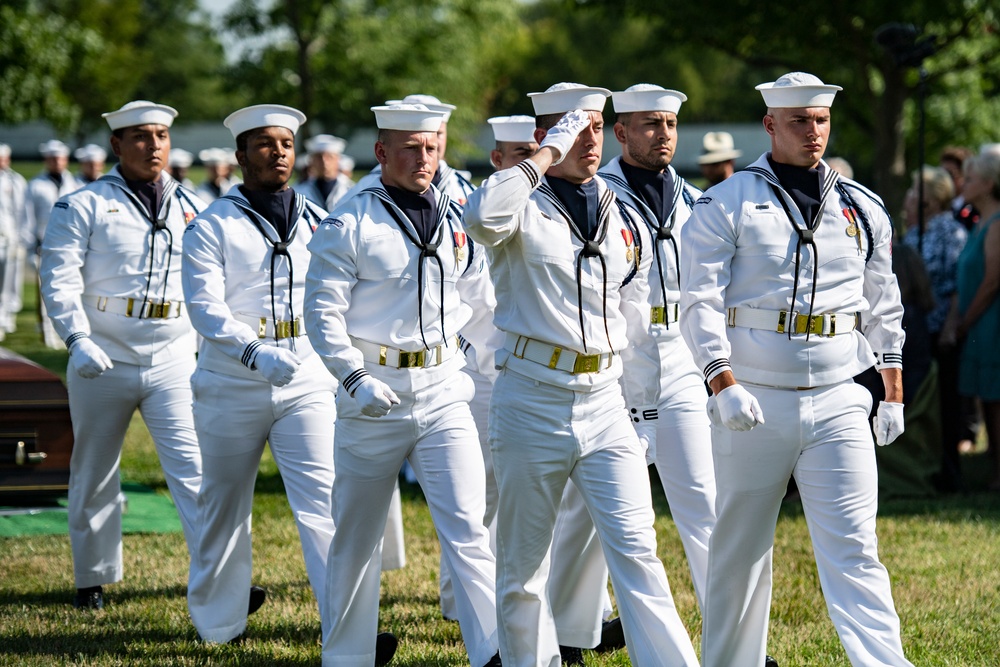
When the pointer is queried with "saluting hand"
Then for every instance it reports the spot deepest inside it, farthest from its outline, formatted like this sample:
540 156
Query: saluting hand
563 134
375 397
735 408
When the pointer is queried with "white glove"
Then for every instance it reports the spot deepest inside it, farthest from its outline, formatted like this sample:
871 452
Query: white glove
276 364
736 409
646 430
563 134
374 397
88 359
888 422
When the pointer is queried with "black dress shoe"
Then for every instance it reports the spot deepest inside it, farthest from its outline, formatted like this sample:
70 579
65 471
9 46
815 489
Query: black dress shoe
385 648
257 597
571 656
89 598
612 636
770 662
494 661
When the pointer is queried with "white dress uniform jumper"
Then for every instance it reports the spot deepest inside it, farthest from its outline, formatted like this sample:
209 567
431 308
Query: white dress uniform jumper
110 270
567 305
794 308
244 285
382 301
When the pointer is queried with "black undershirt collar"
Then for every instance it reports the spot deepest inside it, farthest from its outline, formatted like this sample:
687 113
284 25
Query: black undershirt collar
655 188
150 193
580 200
420 208
803 184
275 207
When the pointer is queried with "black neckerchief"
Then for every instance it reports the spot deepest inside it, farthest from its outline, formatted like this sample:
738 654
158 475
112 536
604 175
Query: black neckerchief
656 190
591 235
581 202
275 207
420 208
325 187
428 248
149 193
55 177
299 209
803 184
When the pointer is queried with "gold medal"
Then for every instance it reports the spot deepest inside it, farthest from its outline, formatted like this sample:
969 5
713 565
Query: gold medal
628 255
852 230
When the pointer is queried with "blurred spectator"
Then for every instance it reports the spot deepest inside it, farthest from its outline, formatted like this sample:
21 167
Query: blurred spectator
841 166
977 320
718 157
91 158
943 240
952 160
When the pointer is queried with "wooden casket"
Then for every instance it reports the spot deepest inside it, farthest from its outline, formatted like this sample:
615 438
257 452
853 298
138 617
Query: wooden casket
36 435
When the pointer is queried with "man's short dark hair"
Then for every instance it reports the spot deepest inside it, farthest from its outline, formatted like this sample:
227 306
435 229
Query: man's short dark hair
548 121
242 139
383 135
624 118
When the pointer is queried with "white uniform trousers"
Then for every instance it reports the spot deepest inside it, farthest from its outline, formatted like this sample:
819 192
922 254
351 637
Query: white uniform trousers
541 436
684 465
234 417
101 409
578 576
434 430
821 437
480 407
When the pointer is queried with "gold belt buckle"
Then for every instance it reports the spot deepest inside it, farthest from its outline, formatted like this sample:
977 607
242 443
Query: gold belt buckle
587 363
782 320
282 329
160 310
411 359
128 307
657 315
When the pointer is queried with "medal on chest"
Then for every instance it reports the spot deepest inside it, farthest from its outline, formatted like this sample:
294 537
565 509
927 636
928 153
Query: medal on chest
852 225
630 254
461 252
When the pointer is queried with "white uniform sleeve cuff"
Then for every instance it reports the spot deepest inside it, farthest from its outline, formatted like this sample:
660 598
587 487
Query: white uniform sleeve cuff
888 360
530 172
715 368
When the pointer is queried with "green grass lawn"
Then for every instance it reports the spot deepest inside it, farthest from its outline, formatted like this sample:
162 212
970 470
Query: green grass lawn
943 556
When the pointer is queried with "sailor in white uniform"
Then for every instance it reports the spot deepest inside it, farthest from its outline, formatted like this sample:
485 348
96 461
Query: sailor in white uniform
179 162
258 379
326 185
91 158
787 292
450 181
43 190
385 298
571 289
110 276
13 221
675 427
219 177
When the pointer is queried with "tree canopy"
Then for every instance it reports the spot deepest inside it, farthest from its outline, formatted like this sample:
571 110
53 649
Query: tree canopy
69 60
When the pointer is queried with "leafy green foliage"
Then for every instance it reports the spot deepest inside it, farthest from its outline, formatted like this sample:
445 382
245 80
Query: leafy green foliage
38 51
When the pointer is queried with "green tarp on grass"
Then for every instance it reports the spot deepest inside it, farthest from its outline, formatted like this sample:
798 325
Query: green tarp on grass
147 512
